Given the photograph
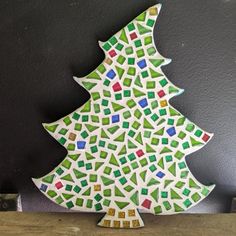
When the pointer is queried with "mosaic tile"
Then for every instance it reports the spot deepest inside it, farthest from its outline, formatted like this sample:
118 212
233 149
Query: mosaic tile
127 144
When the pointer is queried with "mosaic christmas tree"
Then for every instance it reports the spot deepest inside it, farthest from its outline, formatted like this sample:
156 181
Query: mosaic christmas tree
127 145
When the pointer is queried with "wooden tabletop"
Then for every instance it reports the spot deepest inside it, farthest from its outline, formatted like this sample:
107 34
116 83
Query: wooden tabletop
15 223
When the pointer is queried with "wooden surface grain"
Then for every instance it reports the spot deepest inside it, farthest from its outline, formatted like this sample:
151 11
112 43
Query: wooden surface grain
15 223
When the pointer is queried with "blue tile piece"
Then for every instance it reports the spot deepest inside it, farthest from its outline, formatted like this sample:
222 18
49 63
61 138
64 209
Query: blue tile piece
160 174
81 144
142 64
43 187
115 118
171 131
111 74
143 103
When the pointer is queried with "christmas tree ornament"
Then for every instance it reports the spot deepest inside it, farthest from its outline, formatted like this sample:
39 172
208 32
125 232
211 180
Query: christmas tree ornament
127 145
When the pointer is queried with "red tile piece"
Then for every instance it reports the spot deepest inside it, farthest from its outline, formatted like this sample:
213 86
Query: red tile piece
133 36
161 93
140 153
205 137
59 185
146 203
116 87
112 53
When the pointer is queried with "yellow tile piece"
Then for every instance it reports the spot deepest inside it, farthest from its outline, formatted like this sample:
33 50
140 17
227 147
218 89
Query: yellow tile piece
163 103
116 224
107 223
126 224
153 11
97 187
121 214
135 223
108 61
111 212
131 212
72 136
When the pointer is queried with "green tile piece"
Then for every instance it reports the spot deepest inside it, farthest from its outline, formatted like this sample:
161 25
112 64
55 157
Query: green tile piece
133 178
178 208
88 85
147 124
148 40
101 68
98 165
91 128
62 140
156 62
173 90
181 121
161 163
190 127
118 192
172 169
142 29
79 174
121 205
141 17
193 184
51 193
123 36
123 150
157 210
117 107
51 128
149 149
167 182
143 175
137 93
106 46
113 40
131 103
59 200
155 194
120 138
137 82
150 22
103 134
67 196
173 112
113 129
68 177
174 195
121 59
86 107
89 203
120 71
79 202
113 160
107 192
89 156
196 197
87 192
106 181
48 179
139 138
135 198
154 74
131 26
152 182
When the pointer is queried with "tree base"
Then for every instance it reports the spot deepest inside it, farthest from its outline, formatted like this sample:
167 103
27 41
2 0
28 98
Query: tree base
128 218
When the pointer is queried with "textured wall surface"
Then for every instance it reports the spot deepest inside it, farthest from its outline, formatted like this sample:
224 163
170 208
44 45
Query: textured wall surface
43 43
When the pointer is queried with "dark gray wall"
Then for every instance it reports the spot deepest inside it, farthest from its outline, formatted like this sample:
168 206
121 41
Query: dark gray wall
42 43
